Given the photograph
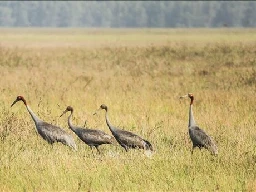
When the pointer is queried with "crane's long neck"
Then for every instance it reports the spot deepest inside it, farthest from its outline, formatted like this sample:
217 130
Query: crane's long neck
71 126
33 115
191 117
112 129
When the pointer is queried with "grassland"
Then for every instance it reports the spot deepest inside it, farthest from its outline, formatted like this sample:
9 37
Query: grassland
139 75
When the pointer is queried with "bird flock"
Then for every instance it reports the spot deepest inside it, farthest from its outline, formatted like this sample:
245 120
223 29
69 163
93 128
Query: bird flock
126 139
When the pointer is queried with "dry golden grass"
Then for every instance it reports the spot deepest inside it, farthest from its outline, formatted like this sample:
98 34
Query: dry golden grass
139 75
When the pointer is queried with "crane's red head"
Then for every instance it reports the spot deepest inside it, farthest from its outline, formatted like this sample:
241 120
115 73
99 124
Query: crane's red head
191 96
103 106
69 108
19 98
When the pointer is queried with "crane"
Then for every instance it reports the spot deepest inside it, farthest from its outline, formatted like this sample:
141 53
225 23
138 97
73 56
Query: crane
198 136
125 138
48 132
91 137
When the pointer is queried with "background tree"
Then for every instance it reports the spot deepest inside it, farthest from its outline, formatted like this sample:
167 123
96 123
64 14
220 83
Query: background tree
127 13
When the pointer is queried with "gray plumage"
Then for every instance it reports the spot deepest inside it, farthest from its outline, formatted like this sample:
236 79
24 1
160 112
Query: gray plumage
48 132
125 138
198 136
91 137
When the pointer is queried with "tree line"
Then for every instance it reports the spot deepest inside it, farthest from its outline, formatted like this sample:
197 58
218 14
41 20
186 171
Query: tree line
127 14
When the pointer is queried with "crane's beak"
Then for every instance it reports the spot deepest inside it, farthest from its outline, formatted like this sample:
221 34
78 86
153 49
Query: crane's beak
181 97
14 102
64 112
96 111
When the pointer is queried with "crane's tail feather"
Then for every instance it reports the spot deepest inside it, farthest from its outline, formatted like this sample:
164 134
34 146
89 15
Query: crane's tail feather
148 145
213 149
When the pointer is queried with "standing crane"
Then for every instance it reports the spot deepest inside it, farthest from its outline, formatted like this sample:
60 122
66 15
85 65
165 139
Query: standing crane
91 137
125 138
198 136
48 132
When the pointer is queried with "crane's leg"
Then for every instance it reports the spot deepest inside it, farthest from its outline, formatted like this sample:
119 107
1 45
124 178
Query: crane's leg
92 151
193 147
126 148
98 152
52 146
97 149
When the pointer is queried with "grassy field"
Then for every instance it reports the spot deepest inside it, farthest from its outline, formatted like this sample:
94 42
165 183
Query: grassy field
139 75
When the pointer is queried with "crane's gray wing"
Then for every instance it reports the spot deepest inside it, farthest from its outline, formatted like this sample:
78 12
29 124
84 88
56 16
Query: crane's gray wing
200 138
53 133
94 136
126 133
129 139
